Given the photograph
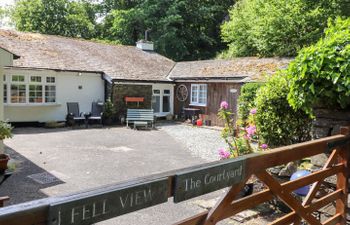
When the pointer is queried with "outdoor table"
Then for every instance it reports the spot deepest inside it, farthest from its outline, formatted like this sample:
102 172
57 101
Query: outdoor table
190 112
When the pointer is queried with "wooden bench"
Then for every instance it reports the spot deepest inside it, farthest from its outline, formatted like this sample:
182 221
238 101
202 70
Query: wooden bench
140 117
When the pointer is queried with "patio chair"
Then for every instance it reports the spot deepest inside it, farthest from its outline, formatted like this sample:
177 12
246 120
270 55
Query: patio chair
96 112
74 115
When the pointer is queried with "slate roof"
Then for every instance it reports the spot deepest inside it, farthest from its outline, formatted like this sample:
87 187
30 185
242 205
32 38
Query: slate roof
252 67
61 53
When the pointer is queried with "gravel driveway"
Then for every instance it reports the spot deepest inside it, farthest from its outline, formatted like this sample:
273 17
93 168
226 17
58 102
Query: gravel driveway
201 142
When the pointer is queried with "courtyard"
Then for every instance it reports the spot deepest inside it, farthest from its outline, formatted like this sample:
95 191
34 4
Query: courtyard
53 162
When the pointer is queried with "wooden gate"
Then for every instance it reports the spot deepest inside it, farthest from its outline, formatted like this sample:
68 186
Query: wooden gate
110 201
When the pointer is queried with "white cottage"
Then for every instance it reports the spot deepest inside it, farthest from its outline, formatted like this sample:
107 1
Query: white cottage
41 73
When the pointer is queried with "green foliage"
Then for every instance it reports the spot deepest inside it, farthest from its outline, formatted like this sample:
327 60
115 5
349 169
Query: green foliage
180 29
108 110
246 100
59 17
278 124
275 27
5 130
320 74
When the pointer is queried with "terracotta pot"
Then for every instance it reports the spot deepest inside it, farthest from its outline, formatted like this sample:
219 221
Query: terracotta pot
3 161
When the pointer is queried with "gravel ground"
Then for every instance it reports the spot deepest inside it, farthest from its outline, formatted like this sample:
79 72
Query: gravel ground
201 142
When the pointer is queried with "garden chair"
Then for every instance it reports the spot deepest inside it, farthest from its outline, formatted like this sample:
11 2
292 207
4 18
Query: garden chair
96 112
74 115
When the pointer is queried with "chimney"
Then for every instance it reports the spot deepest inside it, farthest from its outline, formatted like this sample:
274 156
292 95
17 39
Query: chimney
145 45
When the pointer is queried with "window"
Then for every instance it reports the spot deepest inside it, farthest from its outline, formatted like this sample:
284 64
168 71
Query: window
50 80
35 79
17 78
5 90
18 93
35 93
166 100
29 89
199 94
156 101
50 93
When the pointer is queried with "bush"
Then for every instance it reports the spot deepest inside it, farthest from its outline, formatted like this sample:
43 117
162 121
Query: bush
246 100
277 123
5 130
322 71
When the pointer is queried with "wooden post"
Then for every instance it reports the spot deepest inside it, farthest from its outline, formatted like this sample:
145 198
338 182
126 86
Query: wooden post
342 179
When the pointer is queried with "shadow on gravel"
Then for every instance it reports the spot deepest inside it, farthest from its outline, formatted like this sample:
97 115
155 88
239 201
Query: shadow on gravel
26 182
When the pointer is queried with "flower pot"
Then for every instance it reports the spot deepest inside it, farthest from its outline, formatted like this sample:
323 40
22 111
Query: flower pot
3 161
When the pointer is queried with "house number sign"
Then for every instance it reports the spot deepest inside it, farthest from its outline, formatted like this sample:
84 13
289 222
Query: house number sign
208 179
97 207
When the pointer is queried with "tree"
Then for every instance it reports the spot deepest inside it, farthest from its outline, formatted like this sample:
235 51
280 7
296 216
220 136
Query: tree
277 28
59 17
180 29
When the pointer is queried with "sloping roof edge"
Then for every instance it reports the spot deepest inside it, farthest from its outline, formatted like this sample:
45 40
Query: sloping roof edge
15 56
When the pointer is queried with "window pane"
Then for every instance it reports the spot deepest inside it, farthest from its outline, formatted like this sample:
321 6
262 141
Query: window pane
50 93
35 93
18 93
17 78
50 80
194 94
156 92
156 103
5 93
166 92
35 79
4 78
166 103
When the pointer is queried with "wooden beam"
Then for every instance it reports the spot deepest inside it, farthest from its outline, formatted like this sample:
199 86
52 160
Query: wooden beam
215 213
286 219
336 219
277 189
313 190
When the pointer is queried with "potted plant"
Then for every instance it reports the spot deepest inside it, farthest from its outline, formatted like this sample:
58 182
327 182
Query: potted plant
319 79
5 132
108 112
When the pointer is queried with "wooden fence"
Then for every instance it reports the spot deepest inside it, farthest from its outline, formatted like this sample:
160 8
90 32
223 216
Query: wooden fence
110 201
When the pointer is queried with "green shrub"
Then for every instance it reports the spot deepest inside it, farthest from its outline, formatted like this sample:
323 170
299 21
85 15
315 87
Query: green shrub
5 130
320 74
277 123
275 27
246 100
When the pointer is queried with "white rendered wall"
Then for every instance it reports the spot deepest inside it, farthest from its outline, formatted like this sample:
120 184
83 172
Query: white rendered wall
67 90
6 59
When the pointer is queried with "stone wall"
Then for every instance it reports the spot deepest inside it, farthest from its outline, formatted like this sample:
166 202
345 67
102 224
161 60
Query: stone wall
329 121
120 91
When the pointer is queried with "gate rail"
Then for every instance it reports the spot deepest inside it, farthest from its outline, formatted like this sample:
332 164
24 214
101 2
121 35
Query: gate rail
110 201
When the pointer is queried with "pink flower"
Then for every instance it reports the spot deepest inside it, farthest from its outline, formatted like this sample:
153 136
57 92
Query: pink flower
264 146
251 130
253 111
246 137
224 105
224 154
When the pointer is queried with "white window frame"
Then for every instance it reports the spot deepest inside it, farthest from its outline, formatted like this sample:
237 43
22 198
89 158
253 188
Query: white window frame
197 102
27 82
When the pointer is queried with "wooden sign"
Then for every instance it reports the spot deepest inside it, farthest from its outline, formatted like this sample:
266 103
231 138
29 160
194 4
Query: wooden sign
95 207
208 179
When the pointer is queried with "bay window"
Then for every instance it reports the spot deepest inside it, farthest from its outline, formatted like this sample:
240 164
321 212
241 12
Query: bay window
29 89
199 94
